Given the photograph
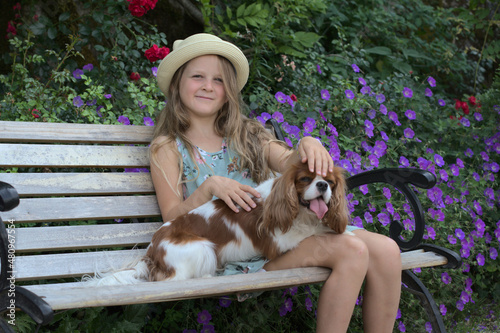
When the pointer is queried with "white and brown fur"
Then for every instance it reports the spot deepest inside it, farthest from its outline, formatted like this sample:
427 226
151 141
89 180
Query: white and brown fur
197 243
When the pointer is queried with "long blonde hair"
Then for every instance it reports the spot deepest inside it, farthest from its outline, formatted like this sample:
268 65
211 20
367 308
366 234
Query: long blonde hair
244 136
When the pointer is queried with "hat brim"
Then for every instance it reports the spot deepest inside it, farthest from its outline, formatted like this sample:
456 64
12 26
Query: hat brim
208 45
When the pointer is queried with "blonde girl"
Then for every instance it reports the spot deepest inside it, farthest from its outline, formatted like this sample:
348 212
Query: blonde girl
203 147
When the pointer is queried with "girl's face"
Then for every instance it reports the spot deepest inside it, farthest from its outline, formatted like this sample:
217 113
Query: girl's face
201 87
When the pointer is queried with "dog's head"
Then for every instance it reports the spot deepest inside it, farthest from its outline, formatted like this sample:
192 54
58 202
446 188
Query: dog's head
298 188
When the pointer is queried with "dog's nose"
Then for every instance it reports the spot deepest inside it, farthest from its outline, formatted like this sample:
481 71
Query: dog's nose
322 186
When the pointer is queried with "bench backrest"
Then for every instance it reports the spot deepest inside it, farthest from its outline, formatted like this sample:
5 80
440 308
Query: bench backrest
73 175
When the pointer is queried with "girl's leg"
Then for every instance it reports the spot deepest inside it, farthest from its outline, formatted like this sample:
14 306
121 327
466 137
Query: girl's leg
383 282
347 256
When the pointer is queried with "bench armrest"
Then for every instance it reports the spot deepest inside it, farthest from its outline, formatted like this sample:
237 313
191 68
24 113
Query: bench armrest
400 178
9 199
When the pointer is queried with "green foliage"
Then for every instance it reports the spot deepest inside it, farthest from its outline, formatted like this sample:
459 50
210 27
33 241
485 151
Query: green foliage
306 52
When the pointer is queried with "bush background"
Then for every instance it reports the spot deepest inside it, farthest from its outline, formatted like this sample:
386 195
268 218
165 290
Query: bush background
84 61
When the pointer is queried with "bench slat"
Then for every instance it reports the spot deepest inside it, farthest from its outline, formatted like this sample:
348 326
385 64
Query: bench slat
84 236
51 184
150 292
83 208
68 296
62 156
77 264
15 131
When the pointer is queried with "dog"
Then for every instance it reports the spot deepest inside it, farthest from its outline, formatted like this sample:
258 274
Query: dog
296 205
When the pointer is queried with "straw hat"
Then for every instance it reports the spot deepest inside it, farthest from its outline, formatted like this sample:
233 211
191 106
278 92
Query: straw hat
198 45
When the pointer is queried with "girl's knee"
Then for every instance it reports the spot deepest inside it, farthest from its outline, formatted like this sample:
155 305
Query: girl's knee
386 254
353 252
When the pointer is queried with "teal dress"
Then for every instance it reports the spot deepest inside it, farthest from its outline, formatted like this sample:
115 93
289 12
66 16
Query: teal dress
221 163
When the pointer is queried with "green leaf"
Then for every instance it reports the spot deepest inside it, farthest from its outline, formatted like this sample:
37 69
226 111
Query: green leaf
52 32
64 16
240 10
308 39
382 50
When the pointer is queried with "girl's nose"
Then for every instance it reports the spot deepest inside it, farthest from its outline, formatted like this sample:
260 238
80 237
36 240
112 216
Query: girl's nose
208 85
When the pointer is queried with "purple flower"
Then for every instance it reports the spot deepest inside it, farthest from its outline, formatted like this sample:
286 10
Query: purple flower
460 234
465 122
362 81
278 116
489 193
442 309
318 67
372 114
380 98
349 94
428 327
368 217
469 152
431 81
325 95
407 92
403 161
480 259
428 92
224 302
88 67
438 159
77 101
383 219
280 97
446 278
452 240
478 116
384 136
383 109
364 190
366 90
455 171
441 102
154 70
77 73
460 305
387 193
308 303
207 329
355 68
124 120
401 327
408 132
148 121
394 117
369 128
493 253
410 114
204 317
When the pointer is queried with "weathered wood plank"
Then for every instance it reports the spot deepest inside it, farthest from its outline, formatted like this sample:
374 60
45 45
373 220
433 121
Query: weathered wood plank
52 184
16 131
83 208
40 155
65 265
84 236
77 264
74 295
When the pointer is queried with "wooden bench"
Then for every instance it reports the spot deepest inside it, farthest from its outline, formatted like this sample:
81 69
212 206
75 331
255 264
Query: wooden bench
63 174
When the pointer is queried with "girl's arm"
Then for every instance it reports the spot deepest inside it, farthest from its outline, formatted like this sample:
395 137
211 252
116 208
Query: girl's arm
309 150
165 174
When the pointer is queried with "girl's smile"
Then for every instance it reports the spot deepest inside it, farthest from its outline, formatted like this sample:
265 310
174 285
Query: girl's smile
202 88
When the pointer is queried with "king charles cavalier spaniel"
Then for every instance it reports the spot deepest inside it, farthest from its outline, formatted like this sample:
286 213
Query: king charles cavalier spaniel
292 207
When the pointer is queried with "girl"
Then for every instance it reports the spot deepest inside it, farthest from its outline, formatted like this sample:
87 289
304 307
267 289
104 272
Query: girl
204 147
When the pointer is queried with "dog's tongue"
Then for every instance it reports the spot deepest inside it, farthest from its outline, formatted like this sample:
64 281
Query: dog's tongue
318 206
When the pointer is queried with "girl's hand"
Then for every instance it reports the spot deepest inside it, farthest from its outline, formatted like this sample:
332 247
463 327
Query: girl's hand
232 192
312 151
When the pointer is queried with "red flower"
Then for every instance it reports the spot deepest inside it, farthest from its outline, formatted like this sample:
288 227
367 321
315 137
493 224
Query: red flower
472 100
140 7
135 76
458 104
293 97
155 53
465 107
35 113
11 28
136 10
17 6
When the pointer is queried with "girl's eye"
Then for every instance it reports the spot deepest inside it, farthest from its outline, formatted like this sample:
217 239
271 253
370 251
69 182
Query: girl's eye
219 80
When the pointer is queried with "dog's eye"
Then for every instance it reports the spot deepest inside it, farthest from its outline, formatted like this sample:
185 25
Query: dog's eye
330 182
306 179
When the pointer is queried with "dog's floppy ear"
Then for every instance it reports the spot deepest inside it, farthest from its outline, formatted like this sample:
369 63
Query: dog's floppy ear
281 207
337 216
